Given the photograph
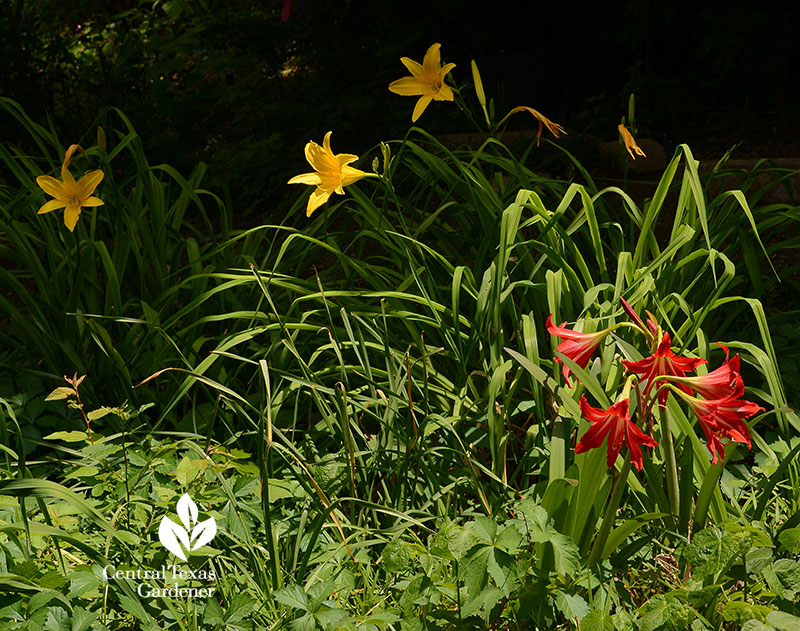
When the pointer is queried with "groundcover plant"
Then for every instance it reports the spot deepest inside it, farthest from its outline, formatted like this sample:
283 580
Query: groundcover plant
367 417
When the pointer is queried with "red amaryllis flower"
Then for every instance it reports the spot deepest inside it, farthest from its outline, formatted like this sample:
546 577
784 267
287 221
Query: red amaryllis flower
663 362
722 419
617 425
578 346
717 384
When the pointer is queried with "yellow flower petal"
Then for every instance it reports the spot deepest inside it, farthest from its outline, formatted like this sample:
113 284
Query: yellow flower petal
420 107
432 62
351 174
346 158
92 201
71 215
326 143
306 178
66 176
332 172
320 159
53 204
50 185
426 80
317 199
88 183
444 94
414 67
407 86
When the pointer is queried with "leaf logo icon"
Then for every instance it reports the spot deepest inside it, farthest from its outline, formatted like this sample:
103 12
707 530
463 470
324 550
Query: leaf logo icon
180 539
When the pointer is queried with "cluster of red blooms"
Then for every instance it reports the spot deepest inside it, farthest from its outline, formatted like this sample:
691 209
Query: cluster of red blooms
715 398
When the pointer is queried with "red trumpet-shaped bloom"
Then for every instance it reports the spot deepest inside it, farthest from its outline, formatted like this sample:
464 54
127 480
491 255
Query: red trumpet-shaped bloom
723 419
616 424
717 384
578 346
663 362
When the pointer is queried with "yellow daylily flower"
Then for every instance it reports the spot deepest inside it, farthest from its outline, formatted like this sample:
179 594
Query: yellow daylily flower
68 193
332 172
426 81
554 128
630 143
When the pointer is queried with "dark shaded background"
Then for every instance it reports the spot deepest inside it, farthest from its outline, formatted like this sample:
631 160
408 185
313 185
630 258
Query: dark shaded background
231 84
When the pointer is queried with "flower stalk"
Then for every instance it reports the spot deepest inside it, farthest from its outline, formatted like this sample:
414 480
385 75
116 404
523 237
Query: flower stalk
670 465
620 481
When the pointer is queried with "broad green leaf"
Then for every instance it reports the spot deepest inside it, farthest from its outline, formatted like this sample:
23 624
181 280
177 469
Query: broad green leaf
665 613
740 612
70 437
710 551
790 540
60 393
776 621
186 471
597 621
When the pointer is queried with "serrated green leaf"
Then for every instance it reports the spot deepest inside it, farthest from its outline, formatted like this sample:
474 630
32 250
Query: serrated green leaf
82 582
241 605
788 573
57 619
572 605
292 596
83 620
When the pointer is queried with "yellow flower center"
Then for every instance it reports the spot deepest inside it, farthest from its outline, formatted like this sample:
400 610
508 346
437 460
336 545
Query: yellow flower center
434 84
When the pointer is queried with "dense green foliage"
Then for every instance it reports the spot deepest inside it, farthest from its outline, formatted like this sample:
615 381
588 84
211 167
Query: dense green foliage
367 403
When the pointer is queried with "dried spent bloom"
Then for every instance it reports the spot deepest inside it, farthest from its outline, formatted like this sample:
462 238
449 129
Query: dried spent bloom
554 128
630 143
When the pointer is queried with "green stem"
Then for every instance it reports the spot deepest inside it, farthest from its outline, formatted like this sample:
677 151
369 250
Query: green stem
669 462
611 512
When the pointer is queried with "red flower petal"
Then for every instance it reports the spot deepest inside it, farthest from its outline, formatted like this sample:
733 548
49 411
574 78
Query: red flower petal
663 362
615 425
578 346
723 419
